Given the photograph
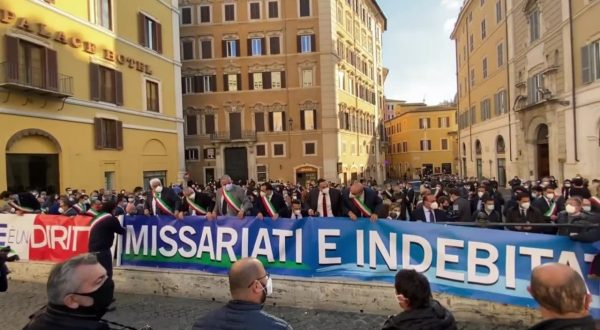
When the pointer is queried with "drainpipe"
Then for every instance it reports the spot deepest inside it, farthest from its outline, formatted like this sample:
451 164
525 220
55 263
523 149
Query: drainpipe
573 96
508 86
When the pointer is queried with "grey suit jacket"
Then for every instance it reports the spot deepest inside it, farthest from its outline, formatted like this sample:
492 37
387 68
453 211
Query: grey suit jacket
239 195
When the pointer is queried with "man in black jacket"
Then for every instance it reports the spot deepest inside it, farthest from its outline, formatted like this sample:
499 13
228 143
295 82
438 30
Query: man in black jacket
79 293
161 200
270 204
563 298
524 212
195 203
324 201
428 211
250 285
361 202
461 208
420 310
103 228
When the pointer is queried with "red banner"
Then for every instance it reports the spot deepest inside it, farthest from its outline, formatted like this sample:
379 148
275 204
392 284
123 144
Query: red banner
57 238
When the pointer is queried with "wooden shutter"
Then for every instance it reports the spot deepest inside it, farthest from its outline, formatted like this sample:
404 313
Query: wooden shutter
439 122
118 88
183 85
586 64
226 83
224 48
283 122
12 58
263 46
159 47
283 85
94 82
142 29
249 44
274 45
314 119
51 70
270 122
299 43
239 81
428 123
302 120
259 121
119 135
313 43
213 83
98 133
251 81
198 84
209 124
237 48
266 79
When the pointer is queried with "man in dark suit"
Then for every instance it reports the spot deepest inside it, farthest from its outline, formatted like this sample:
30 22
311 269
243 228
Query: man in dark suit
428 211
324 201
461 208
230 200
296 211
489 214
21 203
524 212
270 204
161 200
361 202
195 203
477 199
549 205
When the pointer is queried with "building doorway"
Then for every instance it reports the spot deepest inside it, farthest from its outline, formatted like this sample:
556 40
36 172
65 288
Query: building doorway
305 174
236 163
209 175
543 151
235 125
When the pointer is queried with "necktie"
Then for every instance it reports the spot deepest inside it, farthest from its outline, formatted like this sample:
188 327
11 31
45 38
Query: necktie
324 205
523 214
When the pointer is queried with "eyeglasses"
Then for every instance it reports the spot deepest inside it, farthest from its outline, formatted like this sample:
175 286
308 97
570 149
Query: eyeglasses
260 278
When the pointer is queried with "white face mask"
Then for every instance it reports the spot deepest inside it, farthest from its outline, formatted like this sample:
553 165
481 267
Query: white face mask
480 194
269 286
525 206
298 212
567 185
228 186
434 206
587 208
158 189
550 196
489 207
570 209
61 210
325 190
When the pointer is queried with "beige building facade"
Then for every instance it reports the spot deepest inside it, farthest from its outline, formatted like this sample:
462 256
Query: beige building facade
282 90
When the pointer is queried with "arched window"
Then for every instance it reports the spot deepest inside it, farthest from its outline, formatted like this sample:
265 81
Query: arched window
500 146
478 148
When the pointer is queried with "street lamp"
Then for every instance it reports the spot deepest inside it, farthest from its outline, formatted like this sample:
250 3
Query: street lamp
491 168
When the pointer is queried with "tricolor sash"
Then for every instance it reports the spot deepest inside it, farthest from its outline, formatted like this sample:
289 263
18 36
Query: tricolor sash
595 200
199 209
362 207
230 200
163 205
552 210
80 208
18 207
101 216
92 213
268 206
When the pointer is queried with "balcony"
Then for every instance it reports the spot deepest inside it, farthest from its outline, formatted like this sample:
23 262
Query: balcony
239 136
35 80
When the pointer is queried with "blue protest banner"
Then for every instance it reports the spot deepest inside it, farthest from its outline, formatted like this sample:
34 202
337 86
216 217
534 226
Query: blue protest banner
486 264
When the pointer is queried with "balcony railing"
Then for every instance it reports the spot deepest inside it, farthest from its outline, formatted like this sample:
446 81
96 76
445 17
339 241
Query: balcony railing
226 136
36 80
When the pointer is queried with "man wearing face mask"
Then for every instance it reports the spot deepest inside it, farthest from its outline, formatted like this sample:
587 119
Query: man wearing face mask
573 214
523 212
395 212
586 206
550 205
195 203
428 211
419 309
488 214
461 208
103 228
296 211
250 285
65 207
231 200
161 200
477 200
79 294
270 204
566 189
324 201
361 202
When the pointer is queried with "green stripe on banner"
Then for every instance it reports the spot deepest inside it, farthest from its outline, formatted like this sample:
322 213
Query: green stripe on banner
205 260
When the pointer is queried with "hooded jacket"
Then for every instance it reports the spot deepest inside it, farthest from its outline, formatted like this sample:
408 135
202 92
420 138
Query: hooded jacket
432 317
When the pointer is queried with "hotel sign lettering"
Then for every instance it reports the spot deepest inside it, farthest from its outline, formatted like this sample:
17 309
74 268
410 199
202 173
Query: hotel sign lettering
41 29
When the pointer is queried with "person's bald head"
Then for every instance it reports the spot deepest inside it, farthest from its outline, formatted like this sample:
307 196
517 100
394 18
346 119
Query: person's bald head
242 277
559 290
356 188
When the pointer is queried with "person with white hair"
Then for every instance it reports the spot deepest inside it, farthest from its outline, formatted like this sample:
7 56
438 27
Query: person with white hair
231 200
161 200
195 203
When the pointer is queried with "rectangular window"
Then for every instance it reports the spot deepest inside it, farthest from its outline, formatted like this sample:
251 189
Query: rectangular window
229 12
204 14
404 146
307 78
109 181
209 124
101 13
308 120
472 77
152 96
500 54
208 153
259 121
424 123
304 8
191 122
191 154
425 145
274 47
278 149
277 121
257 80
590 62
208 84
471 42
273 9
206 49
110 86
261 173
483 30
150 33
256 46
534 25
276 80
498 11
306 43
484 68
187 49
187 85
232 82
535 85
444 144
108 134
310 149
231 48
485 110
500 103
255 10
473 115
186 16
261 150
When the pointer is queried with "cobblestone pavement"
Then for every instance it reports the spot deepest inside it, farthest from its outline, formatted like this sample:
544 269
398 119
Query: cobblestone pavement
22 299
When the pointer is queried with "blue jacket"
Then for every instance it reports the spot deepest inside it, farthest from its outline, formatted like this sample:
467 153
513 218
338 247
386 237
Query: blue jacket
240 315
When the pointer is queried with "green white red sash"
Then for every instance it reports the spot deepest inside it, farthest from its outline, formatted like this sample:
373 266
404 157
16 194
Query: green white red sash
92 213
99 218
227 197
80 208
199 209
163 205
361 206
268 206
18 207
595 200
552 210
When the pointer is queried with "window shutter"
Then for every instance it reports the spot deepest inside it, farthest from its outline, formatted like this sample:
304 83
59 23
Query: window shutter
302 120
263 46
209 124
183 85
283 122
118 88
206 49
94 82
266 78
314 119
428 123
198 84
283 84
224 48
586 64
251 81
226 83
259 121
313 43
299 43
159 48
249 44
51 69
12 58
270 122
439 122
274 45
213 83
239 81
119 137
98 133
237 48
142 29
421 142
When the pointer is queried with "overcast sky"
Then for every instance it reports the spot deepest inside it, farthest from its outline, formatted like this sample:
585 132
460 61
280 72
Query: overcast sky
418 51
